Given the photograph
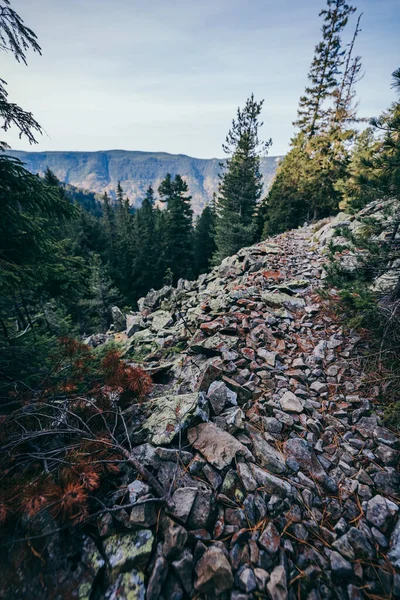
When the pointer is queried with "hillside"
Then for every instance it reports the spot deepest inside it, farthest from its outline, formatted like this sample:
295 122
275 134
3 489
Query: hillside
101 171
260 453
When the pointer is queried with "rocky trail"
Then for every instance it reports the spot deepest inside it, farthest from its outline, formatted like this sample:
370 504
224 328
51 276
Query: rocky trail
266 471
264 433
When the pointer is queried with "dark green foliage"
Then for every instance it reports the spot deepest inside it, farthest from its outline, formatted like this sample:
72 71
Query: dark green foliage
178 237
307 185
241 183
148 266
204 240
16 38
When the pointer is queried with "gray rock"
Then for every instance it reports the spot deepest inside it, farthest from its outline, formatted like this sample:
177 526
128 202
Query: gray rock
217 446
137 489
340 566
262 577
182 501
157 578
271 483
203 509
304 455
134 323
174 413
214 573
175 537
291 403
246 476
246 580
119 319
270 539
394 553
217 396
183 566
277 585
266 455
380 511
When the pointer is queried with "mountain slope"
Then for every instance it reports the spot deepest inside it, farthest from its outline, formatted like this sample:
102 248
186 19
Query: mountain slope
101 171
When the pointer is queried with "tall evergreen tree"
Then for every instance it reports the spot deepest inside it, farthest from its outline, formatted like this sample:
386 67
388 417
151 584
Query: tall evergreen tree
241 182
204 240
305 185
313 114
147 267
178 248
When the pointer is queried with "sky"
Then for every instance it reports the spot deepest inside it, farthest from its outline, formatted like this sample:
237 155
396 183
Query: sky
158 75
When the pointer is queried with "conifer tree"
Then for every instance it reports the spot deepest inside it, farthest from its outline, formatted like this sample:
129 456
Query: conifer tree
313 114
305 185
204 240
178 244
147 259
241 185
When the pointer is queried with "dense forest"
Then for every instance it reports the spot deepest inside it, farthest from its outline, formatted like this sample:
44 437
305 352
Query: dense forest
67 257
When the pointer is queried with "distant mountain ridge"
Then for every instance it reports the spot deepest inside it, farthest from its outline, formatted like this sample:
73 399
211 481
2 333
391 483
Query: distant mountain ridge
100 171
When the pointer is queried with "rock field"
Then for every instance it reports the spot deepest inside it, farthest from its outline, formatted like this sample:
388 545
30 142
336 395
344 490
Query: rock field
278 479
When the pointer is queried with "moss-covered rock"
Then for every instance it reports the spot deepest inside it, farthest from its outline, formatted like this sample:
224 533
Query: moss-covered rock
129 550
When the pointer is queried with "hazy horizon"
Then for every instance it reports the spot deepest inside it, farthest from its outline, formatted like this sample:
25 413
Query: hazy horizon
169 78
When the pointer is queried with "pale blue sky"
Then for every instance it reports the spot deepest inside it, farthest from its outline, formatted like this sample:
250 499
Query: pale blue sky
167 75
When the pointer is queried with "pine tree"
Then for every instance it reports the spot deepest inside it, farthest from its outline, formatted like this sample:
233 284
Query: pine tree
204 240
178 244
305 186
122 266
241 182
313 114
147 267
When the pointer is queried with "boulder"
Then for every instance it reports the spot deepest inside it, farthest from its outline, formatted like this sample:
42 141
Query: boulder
217 446
126 551
127 586
174 413
119 319
214 573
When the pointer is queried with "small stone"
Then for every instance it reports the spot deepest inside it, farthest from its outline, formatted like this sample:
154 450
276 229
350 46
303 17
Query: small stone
175 538
277 586
157 578
380 511
184 567
247 580
291 403
262 577
217 396
214 573
271 483
270 539
182 500
246 476
266 454
340 566
394 553
319 387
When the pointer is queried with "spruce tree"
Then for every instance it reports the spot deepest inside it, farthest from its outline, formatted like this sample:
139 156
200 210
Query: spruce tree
204 240
241 184
313 114
305 186
178 241
147 258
